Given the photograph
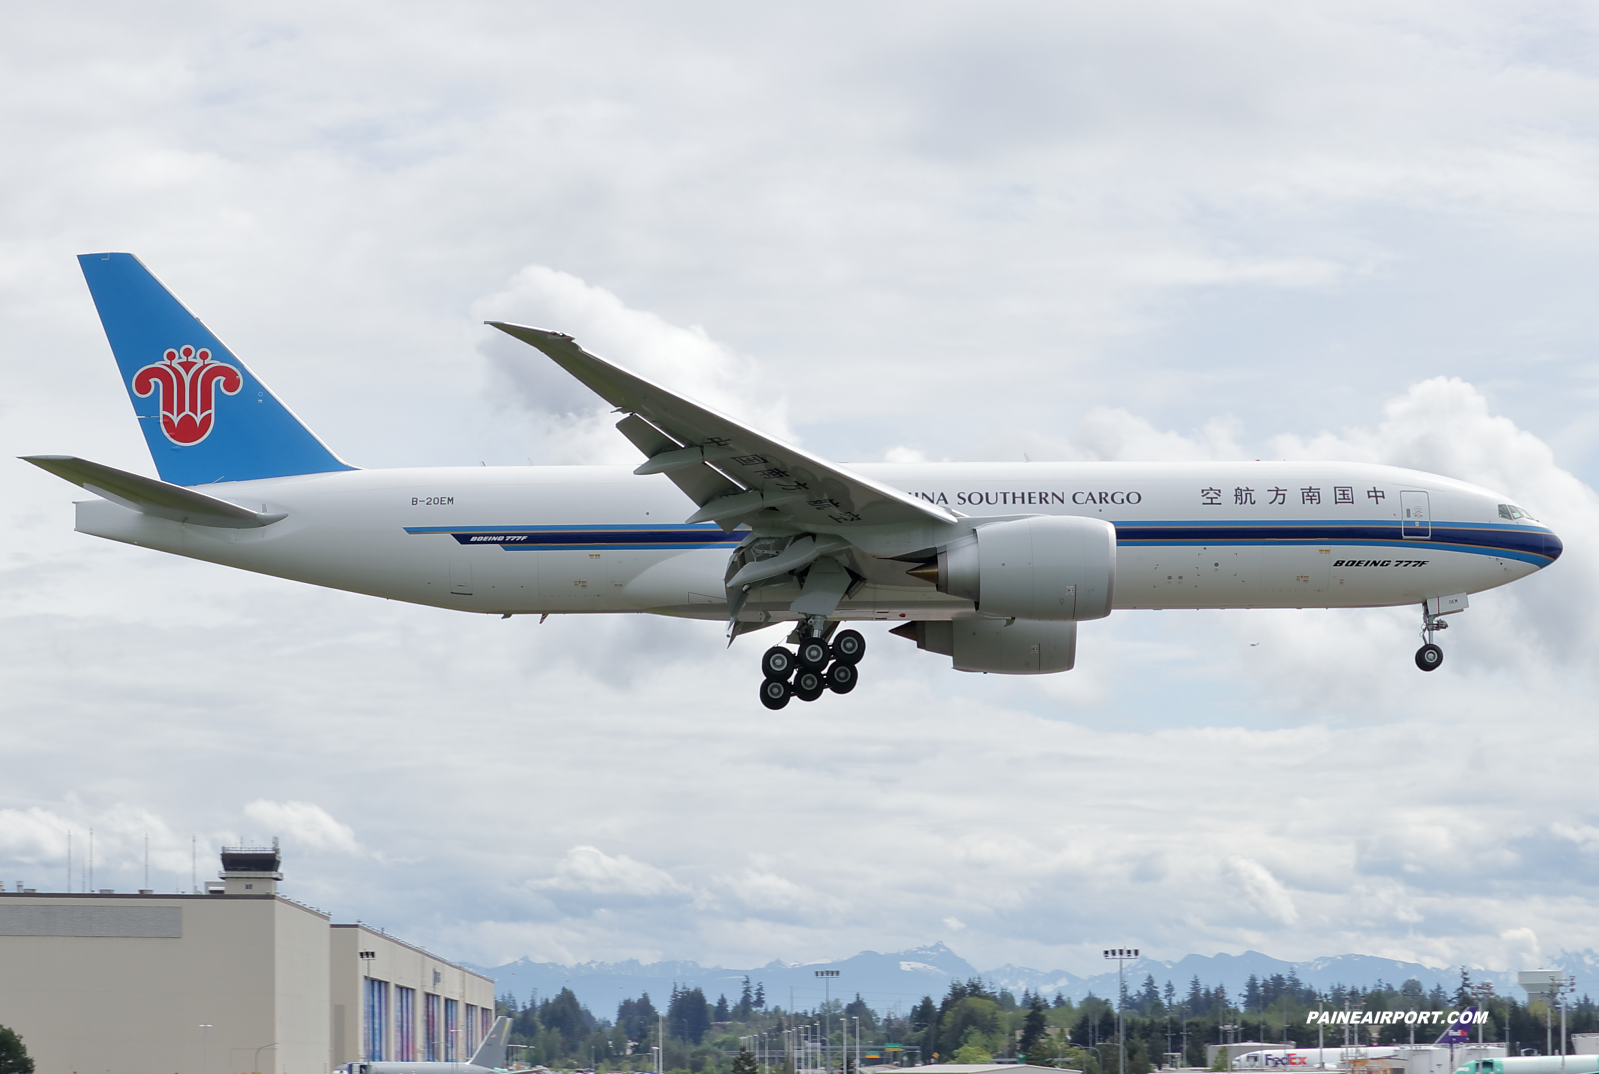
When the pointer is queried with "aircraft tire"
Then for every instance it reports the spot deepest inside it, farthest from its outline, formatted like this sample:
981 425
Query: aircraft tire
849 647
808 684
842 675
1428 657
778 663
813 654
775 693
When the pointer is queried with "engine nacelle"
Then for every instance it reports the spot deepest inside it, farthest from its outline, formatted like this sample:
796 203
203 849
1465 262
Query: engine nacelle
998 646
1048 567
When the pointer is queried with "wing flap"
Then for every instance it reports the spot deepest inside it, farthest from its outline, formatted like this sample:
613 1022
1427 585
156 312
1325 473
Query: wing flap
699 482
152 497
793 487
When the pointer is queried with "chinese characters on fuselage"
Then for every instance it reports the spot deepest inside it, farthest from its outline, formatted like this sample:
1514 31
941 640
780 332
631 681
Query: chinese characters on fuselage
1310 496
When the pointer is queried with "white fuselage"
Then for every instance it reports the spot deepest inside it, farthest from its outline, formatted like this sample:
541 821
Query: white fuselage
599 539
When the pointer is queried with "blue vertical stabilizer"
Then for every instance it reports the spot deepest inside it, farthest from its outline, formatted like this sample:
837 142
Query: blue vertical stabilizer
204 414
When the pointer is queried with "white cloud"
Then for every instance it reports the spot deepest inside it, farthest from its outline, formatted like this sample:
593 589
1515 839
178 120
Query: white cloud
589 869
303 824
573 423
31 835
1262 891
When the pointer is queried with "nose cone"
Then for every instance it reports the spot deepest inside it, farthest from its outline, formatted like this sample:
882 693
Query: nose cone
1552 546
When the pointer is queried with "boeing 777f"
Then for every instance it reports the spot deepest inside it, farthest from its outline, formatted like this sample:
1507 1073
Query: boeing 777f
990 564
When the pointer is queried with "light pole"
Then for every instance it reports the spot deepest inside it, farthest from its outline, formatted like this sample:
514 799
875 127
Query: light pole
827 1025
1321 1038
1564 985
205 1048
1229 1036
1482 992
1122 955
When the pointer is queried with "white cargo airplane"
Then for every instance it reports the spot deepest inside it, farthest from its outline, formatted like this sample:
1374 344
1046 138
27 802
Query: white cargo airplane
990 564
489 1057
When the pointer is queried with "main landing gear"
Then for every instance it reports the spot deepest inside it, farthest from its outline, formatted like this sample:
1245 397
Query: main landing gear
1430 656
814 667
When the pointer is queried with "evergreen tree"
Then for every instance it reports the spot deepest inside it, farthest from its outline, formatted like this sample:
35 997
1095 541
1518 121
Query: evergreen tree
1169 995
746 1003
1034 1027
744 1061
859 1008
525 1023
688 1016
568 1017
1252 998
14 1058
1196 995
1274 986
723 1012
924 1027
636 1017
1148 996
760 996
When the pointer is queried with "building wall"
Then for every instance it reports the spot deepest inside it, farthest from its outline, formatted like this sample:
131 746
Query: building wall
354 981
122 984
89 997
300 959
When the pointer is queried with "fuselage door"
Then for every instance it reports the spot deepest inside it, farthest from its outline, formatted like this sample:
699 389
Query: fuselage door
1415 515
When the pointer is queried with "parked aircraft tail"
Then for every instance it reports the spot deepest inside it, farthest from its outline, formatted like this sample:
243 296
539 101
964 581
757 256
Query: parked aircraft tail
491 1053
205 416
1458 1031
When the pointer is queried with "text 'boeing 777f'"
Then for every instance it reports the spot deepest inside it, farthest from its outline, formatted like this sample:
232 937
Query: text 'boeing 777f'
992 565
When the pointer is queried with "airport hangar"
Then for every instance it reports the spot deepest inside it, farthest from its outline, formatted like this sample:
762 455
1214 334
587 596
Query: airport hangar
239 978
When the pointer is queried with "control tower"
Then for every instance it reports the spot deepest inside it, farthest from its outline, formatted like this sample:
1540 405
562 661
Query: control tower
251 870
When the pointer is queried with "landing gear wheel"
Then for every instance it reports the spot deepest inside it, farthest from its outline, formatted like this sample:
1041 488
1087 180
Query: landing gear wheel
808 684
813 654
842 677
775 693
849 647
1429 656
778 663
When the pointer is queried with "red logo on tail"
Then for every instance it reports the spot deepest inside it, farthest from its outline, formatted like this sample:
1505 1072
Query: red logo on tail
188 380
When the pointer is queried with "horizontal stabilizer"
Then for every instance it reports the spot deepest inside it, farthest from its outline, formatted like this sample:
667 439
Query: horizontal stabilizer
153 497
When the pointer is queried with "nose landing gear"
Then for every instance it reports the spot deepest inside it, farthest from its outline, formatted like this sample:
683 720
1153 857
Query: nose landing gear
816 668
1429 657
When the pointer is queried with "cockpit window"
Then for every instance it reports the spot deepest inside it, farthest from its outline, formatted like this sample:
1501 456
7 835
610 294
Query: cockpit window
1513 513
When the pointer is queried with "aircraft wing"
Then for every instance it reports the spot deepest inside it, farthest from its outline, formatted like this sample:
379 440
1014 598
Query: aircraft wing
732 472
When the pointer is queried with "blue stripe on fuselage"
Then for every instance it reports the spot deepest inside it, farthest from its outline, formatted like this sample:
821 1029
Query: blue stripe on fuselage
1538 547
590 538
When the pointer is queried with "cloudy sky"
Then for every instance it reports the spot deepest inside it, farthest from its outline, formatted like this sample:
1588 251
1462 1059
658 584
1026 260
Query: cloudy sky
890 231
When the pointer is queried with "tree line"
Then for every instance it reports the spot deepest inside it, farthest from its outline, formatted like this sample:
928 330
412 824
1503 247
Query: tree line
975 1022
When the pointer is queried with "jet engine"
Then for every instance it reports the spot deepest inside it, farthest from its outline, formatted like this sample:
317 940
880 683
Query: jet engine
1047 567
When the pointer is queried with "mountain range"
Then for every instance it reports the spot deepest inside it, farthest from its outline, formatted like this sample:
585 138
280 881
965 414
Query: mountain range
899 979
